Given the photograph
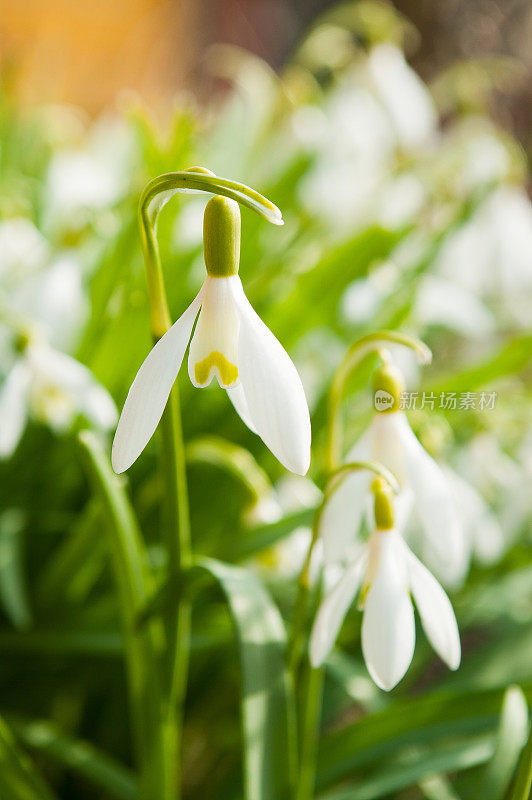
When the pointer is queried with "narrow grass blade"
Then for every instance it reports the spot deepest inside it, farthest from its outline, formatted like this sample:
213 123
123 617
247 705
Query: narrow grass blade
154 743
79 756
267 705
413 768
523 781
13 589
233 459
19 780
432 719
511 738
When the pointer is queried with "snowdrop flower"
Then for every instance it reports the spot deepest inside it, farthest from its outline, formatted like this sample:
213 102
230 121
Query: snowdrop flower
353 159
404 96
379 107
484 537
490 254
390 441
231 343
291 494
501 477
90 178
54 301
24 250
386 572
51 387
443 302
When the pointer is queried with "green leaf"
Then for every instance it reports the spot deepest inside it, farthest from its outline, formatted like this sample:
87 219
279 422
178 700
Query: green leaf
19 779
510 360
405 724
523 782
437 787
267 704
413 767
79 756
76 564
13 589
511 738
352 677
154 741
262 536
106 644
230 457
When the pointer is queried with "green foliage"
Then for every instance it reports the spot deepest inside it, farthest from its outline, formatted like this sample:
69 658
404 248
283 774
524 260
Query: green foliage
268 710
82 563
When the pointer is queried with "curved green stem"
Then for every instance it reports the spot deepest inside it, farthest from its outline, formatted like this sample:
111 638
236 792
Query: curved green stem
372 343
314 680
134 581
303 587
177 527
310 734
337 477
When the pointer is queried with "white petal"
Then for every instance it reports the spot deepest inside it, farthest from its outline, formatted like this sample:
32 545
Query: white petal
333 610
403 504
14 399
273 389
404 95
386 443
361 450
342 515
388 627
481 525
75 381
436 612
214 346
99 407
149 391
238 399
434 503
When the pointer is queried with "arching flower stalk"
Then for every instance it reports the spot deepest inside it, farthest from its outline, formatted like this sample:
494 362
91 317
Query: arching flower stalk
384 574
230 343
425 489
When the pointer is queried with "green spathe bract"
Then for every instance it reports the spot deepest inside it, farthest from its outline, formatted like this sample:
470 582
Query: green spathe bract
221 237
387 378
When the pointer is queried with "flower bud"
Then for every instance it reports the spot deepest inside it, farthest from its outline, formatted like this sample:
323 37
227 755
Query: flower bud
388 385
221 237
384 517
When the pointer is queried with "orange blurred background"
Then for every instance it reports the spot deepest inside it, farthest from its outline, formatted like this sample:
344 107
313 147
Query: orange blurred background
86 51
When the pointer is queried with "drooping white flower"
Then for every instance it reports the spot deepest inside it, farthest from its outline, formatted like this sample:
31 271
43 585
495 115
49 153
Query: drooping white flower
501 477
386 572
379 108
89 178
24 250
231 343
53 302
482 530
291 494
490 254
51 387
390 441
443 302
404 96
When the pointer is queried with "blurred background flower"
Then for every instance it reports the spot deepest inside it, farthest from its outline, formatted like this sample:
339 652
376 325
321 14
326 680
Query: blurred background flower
396 138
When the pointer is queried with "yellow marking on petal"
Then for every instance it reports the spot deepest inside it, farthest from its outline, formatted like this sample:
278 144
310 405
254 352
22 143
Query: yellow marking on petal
228 372
362 596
